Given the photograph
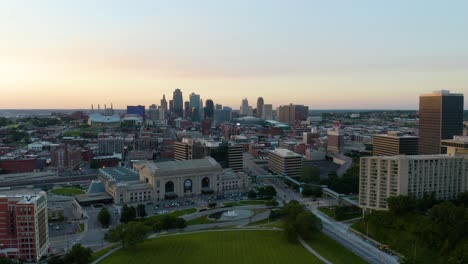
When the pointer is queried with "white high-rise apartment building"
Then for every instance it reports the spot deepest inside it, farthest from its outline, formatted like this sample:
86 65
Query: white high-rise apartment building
381 177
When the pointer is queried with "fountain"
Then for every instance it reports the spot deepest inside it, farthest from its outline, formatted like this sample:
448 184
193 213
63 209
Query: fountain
230 214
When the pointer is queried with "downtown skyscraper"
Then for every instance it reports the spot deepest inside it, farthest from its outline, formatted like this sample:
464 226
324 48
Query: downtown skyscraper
178 103
440 117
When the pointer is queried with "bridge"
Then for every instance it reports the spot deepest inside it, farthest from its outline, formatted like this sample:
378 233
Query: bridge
341 198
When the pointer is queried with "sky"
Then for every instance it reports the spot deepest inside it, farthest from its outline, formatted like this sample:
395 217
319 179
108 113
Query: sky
325 54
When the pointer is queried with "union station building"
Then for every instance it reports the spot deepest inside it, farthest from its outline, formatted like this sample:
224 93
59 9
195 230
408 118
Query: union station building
189 177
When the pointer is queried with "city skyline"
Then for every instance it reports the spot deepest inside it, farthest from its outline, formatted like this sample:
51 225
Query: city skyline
360 55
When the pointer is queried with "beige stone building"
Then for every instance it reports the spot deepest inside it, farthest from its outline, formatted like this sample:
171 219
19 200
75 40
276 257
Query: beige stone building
124 185
187 177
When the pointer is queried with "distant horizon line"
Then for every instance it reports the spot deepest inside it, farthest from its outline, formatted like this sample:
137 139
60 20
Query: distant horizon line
314 109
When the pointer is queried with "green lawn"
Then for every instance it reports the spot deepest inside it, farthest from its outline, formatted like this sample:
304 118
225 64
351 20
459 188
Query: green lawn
246 202
231 247
190 211
232 204
260 222
69 191
103 251
331 212
401 239
81 228
177 213
333 251
200 221
328 210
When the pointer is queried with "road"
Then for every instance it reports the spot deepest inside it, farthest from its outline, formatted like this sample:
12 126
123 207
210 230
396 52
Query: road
339 231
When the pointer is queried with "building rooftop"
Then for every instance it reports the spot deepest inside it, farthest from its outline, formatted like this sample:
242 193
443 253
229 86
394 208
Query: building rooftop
396 134
98 117
442 93
119 174
96 187
183 165
25 198
284 153
414 157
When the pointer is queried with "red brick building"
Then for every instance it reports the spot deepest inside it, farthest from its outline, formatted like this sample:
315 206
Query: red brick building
18 165
23 227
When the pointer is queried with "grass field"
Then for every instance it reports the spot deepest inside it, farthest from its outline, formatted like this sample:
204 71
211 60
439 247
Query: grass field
331 212
246 202
67 191
101 252
232 247
200 220
333 251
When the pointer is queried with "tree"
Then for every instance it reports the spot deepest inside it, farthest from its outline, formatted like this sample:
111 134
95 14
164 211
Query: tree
427 202
401 205
124 214
134 233
269 191
311 191
252 194
306 224
141 211
127 214
6 261
463 199
298 221
78 255
310 174
104 217
56 260
132 213
115 234
127 234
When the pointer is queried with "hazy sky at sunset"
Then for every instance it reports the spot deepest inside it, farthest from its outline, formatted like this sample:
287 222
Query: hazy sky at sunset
325 54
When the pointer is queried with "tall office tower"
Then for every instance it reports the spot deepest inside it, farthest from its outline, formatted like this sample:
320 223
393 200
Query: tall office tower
153 112
383 176
209 109
260 104
286 114
171 106
178 102
218 106
301 112
223 115
24 235
394 143
283 161
267 112
335 143
235 159
244 109
195 107
164 103
440 117
188 149
187 109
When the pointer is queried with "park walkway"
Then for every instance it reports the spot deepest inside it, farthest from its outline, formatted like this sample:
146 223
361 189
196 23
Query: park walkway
315 253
